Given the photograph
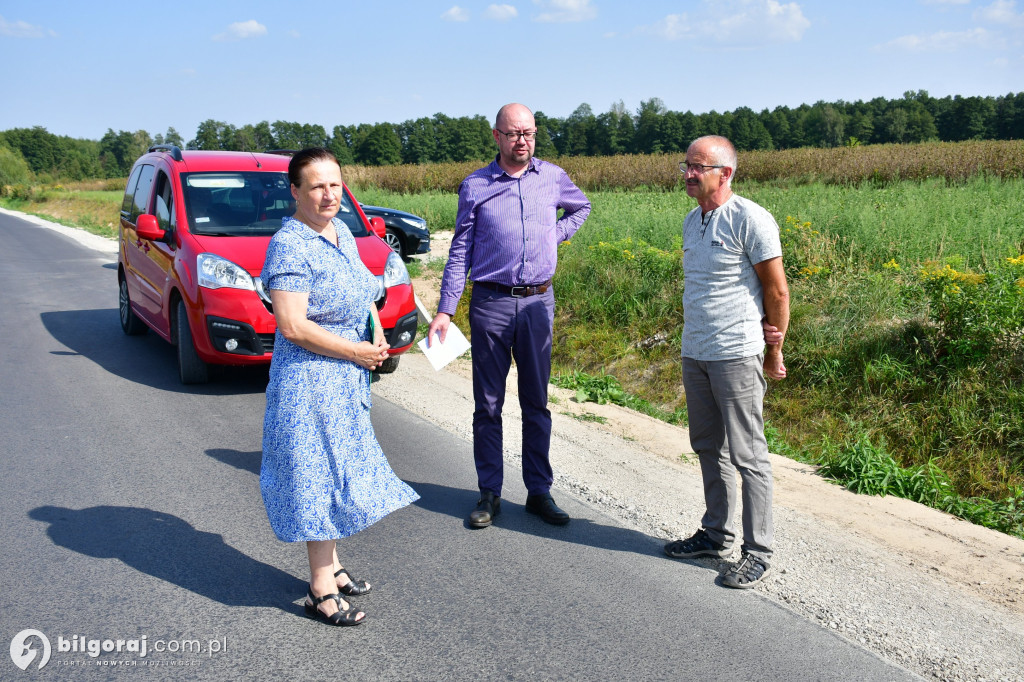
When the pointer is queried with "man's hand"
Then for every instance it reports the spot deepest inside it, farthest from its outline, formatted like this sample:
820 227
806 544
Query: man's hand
773 367
772 335
776 308
438 325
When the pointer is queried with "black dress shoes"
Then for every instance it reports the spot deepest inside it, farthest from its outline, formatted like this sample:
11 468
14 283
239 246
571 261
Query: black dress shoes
486 509
544 507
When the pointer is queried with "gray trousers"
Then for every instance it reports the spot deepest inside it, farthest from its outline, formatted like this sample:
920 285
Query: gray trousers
725 401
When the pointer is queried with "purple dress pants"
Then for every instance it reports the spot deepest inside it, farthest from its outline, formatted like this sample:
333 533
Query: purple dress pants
503 327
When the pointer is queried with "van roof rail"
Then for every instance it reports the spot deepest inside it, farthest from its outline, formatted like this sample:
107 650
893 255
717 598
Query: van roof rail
172 149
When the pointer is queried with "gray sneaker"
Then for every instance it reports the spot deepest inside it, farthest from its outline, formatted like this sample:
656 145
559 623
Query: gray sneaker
748 572
700 544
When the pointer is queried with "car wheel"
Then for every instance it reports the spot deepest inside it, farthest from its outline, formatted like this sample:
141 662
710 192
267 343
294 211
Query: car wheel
389 365
395 242
130 323
191 368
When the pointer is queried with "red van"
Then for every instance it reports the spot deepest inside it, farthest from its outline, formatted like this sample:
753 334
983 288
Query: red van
195 226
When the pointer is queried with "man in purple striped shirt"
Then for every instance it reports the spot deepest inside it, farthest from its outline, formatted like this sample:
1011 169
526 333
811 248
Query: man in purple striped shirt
506 240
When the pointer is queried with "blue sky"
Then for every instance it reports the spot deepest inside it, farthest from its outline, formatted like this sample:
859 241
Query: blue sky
78 68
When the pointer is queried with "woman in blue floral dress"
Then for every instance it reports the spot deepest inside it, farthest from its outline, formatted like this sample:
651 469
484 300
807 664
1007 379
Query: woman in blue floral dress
324 476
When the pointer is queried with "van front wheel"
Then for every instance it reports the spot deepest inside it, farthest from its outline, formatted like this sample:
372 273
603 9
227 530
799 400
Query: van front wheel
191 368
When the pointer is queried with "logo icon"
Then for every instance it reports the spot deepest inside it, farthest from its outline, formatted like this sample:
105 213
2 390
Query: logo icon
22 654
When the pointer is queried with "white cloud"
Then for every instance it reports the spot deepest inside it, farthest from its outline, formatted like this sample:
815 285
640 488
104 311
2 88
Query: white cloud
22 29
1001 12
745 23
456 13
674 27
775 21
564 11
240 30
500 12
944 41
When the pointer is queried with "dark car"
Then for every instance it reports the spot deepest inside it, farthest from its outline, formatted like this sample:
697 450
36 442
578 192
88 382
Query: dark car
407 234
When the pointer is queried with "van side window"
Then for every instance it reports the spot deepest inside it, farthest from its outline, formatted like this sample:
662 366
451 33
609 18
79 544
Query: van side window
143 191
164 208
129 192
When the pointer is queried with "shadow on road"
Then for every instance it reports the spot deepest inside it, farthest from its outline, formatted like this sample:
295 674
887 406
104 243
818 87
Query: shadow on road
458 502
244 460
148 359
167 547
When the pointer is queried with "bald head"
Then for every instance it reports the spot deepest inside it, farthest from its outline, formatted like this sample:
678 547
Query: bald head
512 112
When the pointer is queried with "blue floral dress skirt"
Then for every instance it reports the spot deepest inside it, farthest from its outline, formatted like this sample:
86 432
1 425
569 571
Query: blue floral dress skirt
324 476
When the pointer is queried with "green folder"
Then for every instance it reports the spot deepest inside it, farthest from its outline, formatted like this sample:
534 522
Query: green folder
370 326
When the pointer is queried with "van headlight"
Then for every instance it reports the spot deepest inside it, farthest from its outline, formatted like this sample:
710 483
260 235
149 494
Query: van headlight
395 272
216 272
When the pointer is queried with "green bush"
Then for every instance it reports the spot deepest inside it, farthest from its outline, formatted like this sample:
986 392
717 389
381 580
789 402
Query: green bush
13 170
977 313
22 192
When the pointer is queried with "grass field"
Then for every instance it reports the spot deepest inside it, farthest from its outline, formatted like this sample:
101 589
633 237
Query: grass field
884 380
906 349
95 210
912 221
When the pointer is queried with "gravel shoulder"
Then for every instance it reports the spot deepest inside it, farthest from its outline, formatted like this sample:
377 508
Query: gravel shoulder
936 594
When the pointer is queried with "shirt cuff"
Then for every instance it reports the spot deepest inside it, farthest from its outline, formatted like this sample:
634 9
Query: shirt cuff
448 304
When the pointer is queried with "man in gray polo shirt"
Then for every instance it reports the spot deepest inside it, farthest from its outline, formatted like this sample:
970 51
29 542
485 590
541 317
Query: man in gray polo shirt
733 282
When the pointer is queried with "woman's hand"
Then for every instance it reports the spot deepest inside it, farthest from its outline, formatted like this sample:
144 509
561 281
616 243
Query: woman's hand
369 355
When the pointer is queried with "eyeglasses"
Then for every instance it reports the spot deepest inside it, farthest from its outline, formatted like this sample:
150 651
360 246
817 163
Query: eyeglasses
698 168
529 136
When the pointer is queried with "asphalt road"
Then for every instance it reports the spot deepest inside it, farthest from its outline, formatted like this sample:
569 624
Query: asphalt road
130 510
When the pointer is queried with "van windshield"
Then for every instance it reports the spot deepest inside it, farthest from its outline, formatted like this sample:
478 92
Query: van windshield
248 204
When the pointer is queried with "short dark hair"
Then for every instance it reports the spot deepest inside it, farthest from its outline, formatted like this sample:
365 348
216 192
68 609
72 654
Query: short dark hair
307 157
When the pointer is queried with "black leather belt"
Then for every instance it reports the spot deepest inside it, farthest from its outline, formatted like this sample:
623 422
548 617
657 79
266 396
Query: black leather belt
516 292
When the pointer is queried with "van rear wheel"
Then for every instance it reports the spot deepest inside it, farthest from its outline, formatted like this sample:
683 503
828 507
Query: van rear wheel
130 322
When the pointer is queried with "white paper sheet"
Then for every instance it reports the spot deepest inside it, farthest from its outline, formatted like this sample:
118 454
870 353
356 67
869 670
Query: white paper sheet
440 354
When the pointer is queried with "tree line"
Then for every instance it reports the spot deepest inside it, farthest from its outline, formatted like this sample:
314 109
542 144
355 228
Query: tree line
652 128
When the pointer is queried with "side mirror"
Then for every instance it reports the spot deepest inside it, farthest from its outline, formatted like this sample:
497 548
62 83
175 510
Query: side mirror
378 227
146 227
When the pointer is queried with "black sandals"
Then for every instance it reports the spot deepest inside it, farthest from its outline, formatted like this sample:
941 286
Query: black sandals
354 588
349 616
